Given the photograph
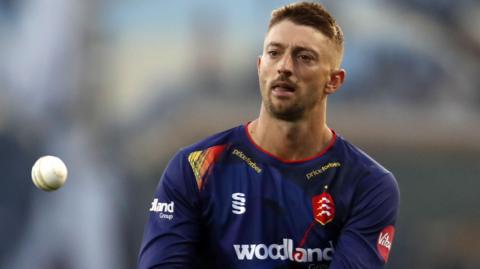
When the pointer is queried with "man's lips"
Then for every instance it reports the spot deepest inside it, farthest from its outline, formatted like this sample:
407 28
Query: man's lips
287 86
283 89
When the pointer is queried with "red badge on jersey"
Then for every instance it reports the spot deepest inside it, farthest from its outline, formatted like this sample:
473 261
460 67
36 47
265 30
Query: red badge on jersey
384 242
323 208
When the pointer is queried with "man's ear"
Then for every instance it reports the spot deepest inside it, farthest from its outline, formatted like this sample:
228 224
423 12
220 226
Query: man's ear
259 61
336 80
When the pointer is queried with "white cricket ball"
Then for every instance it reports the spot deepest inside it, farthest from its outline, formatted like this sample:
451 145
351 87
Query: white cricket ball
49 173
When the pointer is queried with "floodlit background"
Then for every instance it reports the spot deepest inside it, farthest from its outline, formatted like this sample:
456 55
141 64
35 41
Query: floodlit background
115 87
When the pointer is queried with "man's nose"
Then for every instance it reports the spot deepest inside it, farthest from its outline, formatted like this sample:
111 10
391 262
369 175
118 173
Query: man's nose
285 65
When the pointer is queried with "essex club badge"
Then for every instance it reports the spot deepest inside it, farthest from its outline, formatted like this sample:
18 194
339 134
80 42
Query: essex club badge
323 207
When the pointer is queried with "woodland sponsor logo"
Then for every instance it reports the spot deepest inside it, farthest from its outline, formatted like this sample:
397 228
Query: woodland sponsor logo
284 251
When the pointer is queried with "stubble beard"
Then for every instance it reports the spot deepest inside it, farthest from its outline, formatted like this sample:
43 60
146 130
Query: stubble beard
287 112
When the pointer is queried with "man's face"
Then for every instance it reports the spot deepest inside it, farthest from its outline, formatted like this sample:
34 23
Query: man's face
294 70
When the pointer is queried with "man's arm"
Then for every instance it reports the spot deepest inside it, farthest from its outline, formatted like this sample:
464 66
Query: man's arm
171 233
366 238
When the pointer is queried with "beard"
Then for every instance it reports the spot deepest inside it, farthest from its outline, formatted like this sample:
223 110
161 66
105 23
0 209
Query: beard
286 112
291 110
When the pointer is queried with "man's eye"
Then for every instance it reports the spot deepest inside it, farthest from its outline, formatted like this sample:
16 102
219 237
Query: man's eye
305 58
273 53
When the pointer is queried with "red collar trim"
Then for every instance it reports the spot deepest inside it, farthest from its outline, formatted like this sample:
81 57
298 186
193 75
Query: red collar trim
330 145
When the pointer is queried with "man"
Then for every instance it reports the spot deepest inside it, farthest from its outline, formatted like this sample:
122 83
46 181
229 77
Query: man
283 191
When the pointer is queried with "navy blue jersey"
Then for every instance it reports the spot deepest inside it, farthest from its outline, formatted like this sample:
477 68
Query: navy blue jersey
226 203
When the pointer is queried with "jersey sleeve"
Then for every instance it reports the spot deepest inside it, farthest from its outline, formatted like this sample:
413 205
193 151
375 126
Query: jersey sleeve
172 230
366 239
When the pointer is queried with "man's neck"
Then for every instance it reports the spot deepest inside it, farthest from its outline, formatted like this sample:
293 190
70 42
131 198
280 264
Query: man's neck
290 141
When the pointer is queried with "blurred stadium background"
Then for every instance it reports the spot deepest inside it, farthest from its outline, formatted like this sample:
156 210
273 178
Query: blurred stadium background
116 87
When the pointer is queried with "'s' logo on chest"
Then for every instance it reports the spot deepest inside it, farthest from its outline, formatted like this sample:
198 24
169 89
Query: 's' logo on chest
238 203
323 208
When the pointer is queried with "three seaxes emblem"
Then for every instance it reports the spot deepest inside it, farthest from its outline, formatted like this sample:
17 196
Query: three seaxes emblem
323 207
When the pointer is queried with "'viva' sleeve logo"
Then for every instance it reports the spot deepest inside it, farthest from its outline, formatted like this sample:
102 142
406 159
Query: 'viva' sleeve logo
384 242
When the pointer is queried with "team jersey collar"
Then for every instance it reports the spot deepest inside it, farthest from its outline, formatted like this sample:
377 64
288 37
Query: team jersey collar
271 155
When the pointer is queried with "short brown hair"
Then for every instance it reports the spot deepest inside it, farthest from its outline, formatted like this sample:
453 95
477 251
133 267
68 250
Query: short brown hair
310 14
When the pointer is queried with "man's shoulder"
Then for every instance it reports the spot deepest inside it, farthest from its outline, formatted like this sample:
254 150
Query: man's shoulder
360 160
199 156
215 141
366 171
